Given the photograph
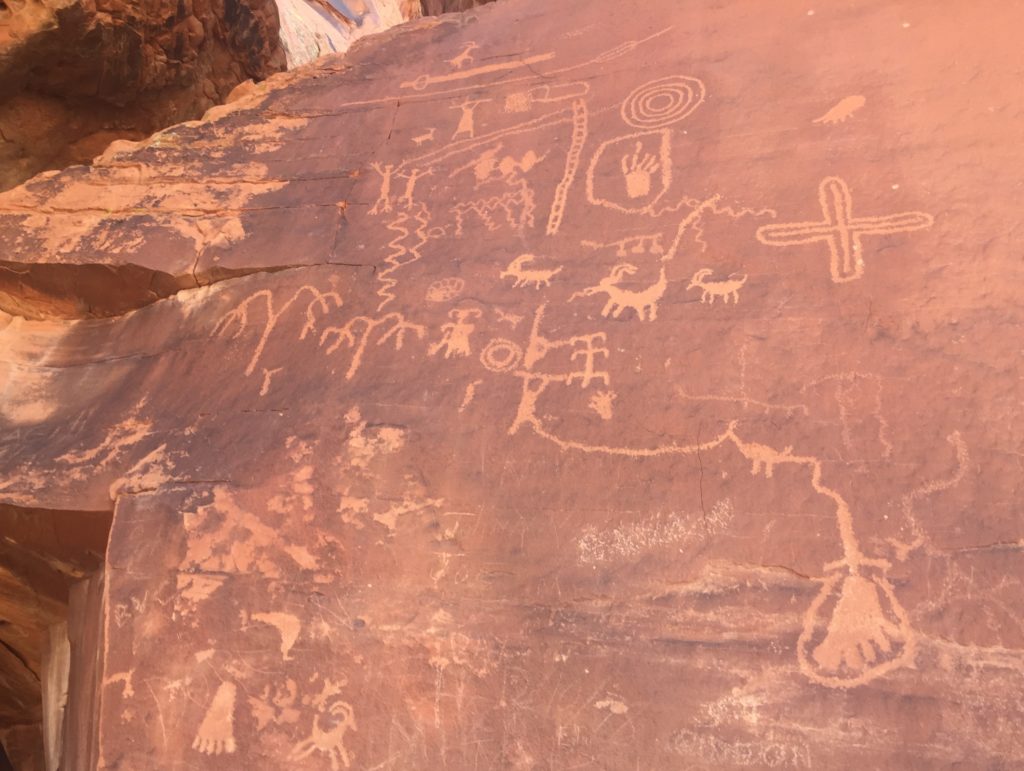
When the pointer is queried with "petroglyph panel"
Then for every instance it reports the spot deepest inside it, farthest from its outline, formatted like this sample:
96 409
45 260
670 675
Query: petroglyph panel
515 421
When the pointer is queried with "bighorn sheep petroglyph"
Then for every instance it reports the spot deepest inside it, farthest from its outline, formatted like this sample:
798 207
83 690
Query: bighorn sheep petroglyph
644 302
517 270
712 289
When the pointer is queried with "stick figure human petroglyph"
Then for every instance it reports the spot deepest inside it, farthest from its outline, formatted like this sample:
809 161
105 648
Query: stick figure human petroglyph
393 323
842 110
325 302
729 288
413 176
643 301
216 734
329 741
841 230
523 276
467 121
383 203
455 334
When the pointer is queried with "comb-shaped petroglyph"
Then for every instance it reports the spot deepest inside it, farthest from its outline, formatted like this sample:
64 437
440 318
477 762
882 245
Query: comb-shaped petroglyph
393 326
325 302
842 110
641 244
727 289
523 275
216 734
840 230
456 333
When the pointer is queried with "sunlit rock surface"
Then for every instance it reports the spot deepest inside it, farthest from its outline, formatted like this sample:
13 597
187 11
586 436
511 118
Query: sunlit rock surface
526 390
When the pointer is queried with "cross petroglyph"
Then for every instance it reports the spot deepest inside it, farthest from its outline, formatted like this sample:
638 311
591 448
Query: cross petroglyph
841 230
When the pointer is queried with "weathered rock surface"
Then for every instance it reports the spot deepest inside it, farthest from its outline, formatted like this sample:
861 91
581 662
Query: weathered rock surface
77 74
561 394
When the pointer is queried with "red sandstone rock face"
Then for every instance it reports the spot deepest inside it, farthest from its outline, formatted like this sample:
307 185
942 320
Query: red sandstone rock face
633 395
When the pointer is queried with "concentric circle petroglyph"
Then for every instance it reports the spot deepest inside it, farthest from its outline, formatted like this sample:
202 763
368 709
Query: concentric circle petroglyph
501 355
662 102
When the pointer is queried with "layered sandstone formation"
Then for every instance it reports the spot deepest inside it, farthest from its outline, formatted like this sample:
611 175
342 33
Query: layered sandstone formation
528 391
75 75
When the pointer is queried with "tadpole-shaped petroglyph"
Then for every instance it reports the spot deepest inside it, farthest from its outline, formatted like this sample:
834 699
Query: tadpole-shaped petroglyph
842 110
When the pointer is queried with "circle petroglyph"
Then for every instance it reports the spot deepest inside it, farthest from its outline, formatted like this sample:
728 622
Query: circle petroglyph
501 355
662 102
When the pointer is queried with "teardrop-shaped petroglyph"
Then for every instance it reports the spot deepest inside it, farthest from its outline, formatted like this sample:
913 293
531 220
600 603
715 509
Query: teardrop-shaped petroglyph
854 631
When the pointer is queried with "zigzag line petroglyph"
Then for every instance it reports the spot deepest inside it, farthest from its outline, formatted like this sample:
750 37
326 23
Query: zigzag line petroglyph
841 230
517 206
908 502
240 315
401 254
